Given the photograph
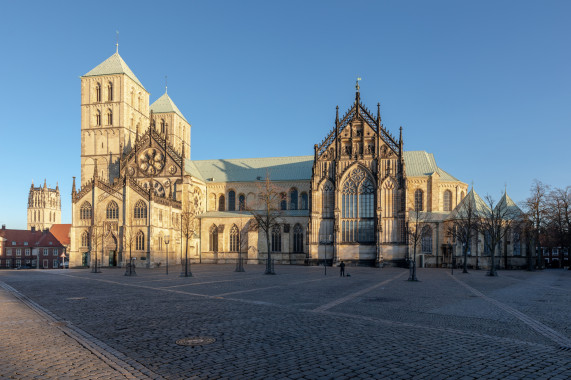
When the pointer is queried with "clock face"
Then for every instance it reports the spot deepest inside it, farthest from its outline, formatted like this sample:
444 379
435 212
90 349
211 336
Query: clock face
151 161
158 189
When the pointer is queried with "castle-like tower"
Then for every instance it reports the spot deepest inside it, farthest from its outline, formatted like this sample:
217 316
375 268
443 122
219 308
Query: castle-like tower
44 207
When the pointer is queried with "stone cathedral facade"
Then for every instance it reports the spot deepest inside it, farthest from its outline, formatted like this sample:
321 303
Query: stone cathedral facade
348 201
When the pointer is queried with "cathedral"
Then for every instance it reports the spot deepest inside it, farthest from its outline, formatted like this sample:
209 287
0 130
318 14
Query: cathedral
348 201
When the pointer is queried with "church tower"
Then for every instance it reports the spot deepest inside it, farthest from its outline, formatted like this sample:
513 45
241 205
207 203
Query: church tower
114 109
171 124
44 207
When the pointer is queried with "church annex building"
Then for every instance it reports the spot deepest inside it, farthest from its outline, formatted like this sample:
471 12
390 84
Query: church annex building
348 201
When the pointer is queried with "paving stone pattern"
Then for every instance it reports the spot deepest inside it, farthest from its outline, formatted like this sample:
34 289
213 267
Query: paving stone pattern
298 324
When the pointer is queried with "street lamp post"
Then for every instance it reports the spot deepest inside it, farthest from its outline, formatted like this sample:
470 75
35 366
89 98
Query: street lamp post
167 241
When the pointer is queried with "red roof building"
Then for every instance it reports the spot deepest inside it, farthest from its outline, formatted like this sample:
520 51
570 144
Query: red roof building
29 249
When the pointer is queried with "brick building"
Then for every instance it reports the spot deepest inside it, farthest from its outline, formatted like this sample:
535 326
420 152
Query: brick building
29 248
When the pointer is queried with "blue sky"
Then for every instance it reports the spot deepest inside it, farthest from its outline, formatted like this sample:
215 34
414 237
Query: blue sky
484 85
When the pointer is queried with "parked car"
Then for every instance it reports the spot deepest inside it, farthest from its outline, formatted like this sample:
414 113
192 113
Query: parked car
25 266
64 265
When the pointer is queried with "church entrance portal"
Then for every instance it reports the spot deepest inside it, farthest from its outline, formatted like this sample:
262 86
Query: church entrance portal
111 249
112 258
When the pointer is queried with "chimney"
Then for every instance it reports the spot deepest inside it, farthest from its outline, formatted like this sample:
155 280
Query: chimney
3 226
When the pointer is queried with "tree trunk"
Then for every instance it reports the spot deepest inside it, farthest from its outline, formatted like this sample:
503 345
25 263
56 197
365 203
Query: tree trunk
492 271
465 254
268 263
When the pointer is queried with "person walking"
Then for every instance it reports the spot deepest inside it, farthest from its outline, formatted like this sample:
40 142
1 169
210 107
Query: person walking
342 269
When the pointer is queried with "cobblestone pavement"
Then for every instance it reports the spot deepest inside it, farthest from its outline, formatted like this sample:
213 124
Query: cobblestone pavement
296 324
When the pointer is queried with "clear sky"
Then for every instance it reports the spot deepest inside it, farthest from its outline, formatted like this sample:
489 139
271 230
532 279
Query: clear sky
484 85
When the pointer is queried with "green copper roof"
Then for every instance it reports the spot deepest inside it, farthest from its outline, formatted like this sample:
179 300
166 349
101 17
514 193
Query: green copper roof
113 65
164 104
508 208
252 169
420 163
472 199
234 214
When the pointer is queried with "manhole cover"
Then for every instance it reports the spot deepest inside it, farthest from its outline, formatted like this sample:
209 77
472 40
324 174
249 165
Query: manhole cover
196 341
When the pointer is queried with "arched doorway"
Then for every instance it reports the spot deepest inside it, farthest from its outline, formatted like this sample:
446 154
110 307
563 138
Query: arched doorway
110 244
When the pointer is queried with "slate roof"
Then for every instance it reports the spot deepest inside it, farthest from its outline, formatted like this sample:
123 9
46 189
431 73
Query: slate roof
113 65
420 163
249 169
164 104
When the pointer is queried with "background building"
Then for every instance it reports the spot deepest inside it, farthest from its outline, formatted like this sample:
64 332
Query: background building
29 248
44 207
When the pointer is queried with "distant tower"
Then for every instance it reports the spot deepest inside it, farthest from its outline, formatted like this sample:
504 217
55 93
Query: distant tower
44 207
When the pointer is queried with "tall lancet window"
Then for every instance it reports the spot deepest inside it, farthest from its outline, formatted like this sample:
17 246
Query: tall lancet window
358 204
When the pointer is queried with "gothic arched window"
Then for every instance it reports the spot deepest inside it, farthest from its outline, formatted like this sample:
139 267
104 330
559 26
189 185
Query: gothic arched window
132 98
418 195
140 241
231 200
85 211
304 203
98 118
214 238
283 201
242 202
112 210
328 200
109 117
98 92
85 239
221 203
297 238
162 125
426 242
517 243
110 92
234 239
276 239
461 195
447 200
358 204
293 199
140 210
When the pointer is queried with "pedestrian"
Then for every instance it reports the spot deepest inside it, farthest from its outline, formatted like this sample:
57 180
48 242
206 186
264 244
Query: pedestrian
342 269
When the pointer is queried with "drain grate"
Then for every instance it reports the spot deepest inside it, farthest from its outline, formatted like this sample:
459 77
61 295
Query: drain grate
196 341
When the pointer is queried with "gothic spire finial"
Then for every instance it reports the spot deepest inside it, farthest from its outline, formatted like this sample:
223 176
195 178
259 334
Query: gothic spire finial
336 115
73 186
45 185
166 83
117 44
357 87
57 186
95 170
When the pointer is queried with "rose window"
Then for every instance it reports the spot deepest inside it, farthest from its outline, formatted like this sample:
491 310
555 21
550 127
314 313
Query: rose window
151 161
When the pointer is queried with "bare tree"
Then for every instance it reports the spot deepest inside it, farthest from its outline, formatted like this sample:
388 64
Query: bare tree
129 238
96 234
465 222
415 231
188 228
536 210
558 216
267 214
495 222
